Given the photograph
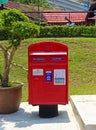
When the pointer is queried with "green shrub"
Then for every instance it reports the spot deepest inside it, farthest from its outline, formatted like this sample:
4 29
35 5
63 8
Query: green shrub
23 30
4 33
12 15
67 31
89 31
12 20
45 31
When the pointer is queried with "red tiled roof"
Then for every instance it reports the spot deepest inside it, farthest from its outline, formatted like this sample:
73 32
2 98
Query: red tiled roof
50 17
11 4
23 7
29 10
60 17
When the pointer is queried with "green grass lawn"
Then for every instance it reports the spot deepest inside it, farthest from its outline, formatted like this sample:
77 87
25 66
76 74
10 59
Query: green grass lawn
82 64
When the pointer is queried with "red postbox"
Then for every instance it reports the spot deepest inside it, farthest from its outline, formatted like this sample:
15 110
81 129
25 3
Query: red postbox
48 73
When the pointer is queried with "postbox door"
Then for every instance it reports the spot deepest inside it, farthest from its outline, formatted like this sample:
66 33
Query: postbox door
49 84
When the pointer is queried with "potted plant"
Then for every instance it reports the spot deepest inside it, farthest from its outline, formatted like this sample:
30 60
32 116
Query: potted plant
14 27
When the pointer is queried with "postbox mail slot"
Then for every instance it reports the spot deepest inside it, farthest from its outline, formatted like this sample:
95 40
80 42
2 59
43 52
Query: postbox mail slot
48 53
48 57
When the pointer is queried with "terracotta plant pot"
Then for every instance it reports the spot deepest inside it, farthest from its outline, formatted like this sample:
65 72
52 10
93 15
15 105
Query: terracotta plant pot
10 99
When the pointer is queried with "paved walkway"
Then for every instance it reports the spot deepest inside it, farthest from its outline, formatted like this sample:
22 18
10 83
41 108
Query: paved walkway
84 107
27 119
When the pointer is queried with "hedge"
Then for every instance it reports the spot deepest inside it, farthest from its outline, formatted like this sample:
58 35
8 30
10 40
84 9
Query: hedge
59 31
68 31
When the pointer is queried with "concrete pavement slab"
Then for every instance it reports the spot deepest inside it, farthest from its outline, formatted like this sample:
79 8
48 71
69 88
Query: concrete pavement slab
27 118
84 107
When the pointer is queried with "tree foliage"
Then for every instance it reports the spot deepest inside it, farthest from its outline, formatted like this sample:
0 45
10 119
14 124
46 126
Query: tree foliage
42 3
17 27
11 16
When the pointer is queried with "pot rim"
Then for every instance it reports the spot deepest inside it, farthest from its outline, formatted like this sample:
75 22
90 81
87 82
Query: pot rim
12 87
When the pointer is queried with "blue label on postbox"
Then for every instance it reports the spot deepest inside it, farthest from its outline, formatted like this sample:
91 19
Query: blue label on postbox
48 76
57 58
39 59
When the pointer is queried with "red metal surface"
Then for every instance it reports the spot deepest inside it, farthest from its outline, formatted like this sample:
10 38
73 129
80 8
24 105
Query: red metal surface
48 73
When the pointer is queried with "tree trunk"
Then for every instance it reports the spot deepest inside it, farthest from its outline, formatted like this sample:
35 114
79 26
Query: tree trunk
8 56
5 76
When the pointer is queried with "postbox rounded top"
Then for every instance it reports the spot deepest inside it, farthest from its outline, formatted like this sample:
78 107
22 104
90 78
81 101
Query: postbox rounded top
47 46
